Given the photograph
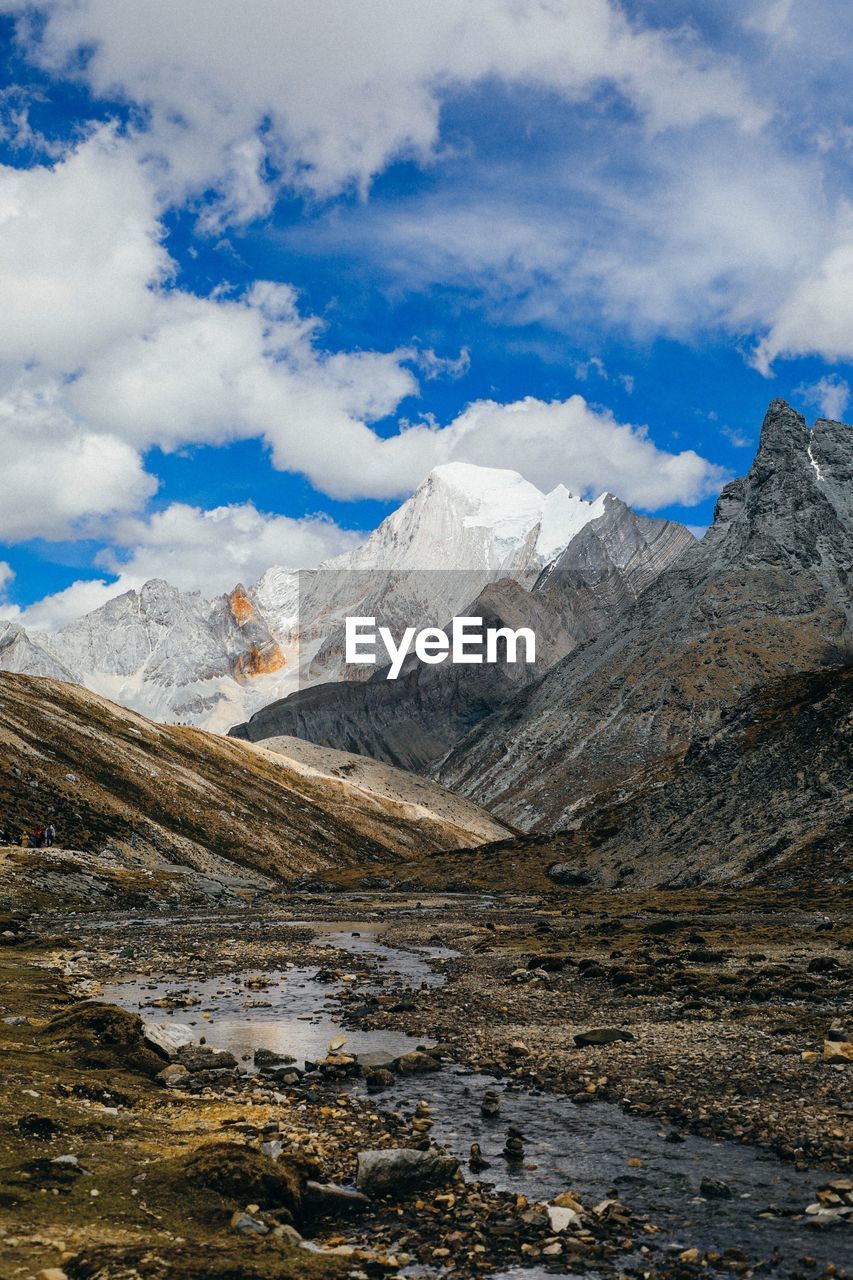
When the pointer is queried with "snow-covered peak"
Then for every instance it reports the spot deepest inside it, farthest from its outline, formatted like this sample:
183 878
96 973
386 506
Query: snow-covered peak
563 516
463 516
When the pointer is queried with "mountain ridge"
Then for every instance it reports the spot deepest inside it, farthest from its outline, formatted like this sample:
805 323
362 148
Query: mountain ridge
179 656
416 719
766 592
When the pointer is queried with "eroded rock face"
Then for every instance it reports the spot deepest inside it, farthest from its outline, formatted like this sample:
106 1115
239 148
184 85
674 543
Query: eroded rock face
766 593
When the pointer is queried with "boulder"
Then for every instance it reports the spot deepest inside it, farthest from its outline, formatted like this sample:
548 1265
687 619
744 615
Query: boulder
200 1058
601 1035
567 876
715 1189
838 1052
169 1038
402 1169
268 1059
174 1075
416 1063
328 1200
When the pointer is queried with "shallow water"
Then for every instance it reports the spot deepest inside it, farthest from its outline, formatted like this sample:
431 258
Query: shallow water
586 1149
582 1148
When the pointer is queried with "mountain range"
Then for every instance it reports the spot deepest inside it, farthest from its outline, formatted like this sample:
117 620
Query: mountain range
688 719
766 593
415 720
177 656
696 725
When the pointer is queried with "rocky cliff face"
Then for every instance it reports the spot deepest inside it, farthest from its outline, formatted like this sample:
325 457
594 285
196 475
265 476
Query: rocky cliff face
19 652
766 593
764 799
415 720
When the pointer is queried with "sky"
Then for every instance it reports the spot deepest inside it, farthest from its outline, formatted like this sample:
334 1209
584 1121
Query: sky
263 266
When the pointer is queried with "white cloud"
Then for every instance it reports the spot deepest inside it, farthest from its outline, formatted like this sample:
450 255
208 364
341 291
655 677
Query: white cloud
210 551
831 394
80 254
59 477
566 441
99 361
7 574
329 91
171 369
686 241
195 550
816 317
434 366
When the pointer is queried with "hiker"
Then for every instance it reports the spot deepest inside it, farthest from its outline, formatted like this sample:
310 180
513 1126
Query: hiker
38 837
49 835
25 840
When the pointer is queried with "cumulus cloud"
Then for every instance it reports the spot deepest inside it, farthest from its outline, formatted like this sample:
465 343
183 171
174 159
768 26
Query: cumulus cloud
817 316
566 441
195 550
210 551
831 394
80 254
59 477
107 381
322 94
99 361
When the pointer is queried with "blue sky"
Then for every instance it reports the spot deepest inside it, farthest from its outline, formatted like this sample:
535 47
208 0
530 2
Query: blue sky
262 266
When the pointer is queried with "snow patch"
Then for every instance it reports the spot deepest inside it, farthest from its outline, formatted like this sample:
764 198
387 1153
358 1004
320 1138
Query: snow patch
812 458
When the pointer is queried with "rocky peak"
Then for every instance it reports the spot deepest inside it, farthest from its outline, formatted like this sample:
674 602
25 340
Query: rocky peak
793 508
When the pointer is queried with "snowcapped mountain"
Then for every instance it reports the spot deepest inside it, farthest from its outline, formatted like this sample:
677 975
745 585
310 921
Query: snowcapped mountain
491 519
174 655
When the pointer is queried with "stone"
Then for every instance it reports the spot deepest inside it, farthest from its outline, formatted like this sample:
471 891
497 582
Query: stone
416 1063
266 1058
378 1080
376 1061
400 1169
327 1199
200 1058
491 1104
561 1218
174 1075
715 1189
170 1038
602 1035
247 1225
838 1052
566 1200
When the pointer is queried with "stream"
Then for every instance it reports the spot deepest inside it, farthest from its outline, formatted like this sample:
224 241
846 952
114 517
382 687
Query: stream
567 1147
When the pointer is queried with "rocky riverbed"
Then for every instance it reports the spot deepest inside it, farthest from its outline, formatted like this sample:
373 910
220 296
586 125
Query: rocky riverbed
652 1084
